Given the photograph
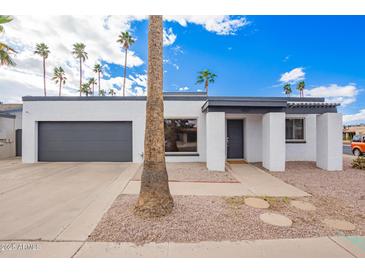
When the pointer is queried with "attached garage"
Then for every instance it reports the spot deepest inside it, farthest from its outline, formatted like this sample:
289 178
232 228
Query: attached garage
85 141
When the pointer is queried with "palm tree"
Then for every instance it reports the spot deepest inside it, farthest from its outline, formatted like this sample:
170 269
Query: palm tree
154 197
287 89
98 69
126 40
206 77
301 87
43 51
102 92
112 92
92 83
59 78
80 53
5 50
85 88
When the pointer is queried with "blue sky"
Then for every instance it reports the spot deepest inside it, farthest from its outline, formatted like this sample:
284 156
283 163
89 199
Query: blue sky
252 55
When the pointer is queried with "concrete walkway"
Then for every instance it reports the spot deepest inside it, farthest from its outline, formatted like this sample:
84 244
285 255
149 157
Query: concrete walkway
324 247
253 182
262 183
57 201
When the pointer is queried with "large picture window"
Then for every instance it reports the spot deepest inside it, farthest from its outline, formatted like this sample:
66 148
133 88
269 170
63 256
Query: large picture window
294 129
181 135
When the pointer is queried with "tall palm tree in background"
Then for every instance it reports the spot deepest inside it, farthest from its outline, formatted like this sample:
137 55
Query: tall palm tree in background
102 92
154 197
126 40
206 77
59 77
112 92
5 50
92 83
80 53
301 87
98 69
43 51
85 88
287 89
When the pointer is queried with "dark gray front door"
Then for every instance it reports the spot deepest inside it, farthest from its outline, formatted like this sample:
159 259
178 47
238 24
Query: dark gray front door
235 139
85 141
18 142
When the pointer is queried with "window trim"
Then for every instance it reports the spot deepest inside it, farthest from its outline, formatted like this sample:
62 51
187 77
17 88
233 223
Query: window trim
185 153
296 141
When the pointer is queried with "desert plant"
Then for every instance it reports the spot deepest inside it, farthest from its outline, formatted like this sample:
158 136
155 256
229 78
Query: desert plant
358 163
301 87
5 50
99 70
287 89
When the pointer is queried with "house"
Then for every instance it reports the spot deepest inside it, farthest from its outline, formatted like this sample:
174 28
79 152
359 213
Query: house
198 128
10 130
351 130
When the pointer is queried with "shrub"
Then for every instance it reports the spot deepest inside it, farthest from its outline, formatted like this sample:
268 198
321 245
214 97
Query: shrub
359 163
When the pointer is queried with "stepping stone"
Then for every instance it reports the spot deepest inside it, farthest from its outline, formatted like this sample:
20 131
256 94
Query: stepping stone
339 224
257 203
276 219
303 205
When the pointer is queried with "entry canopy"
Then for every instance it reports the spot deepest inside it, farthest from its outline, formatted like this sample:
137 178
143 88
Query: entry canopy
262 105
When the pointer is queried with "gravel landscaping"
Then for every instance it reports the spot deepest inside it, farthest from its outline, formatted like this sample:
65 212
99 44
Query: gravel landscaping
207 218
345 188
193 172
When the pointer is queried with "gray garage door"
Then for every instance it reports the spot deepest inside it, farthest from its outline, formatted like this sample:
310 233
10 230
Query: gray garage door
85 141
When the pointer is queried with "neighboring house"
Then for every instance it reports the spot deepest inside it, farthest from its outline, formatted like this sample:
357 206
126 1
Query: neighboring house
271 130
350 131
10 130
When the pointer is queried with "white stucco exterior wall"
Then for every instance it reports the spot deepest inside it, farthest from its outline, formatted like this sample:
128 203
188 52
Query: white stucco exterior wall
216 140
329 141
303 151
273 141
113 110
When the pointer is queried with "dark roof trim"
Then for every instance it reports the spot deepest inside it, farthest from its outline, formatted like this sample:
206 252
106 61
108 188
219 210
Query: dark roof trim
6 115
111 98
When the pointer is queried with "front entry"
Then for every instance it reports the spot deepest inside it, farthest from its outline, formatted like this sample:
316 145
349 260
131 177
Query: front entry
235 139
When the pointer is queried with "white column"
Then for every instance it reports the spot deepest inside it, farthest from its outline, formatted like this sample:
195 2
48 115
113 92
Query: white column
329 141
273 141
216 140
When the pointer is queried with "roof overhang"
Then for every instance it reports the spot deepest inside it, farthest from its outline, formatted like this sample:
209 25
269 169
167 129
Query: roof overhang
261 105
7 115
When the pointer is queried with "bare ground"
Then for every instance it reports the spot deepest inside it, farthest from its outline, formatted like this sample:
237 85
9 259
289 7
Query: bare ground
346 187
206 218
337 195
193 172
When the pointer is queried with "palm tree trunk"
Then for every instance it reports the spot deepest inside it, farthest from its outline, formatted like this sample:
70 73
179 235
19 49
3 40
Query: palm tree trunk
59 92
154 197
125 70
99 80
93 88
80 75
44 76
206 86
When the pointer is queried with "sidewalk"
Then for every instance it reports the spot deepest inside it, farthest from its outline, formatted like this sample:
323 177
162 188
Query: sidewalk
324 247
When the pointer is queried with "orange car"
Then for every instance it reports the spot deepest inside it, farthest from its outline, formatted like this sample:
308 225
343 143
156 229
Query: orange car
358 145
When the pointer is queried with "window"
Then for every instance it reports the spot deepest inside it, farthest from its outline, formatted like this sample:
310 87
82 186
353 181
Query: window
357 138
294 130
181 135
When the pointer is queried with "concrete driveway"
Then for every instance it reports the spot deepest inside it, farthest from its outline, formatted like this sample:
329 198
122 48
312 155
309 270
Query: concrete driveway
57 201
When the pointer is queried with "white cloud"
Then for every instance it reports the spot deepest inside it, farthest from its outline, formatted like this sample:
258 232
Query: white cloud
169 37
357 117
221 25
99 33
294 75
344 95
183 88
